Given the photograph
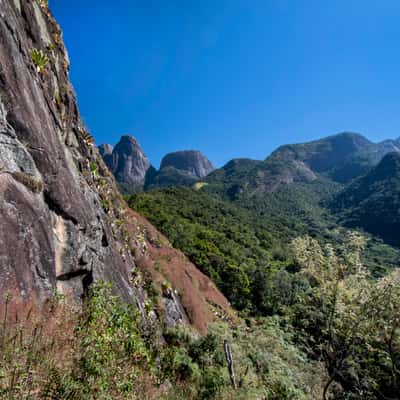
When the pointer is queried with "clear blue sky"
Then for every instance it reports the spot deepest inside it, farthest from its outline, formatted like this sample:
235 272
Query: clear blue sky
233 78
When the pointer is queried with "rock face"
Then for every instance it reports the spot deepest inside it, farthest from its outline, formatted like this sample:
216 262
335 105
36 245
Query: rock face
190 161
133 171
105 150
181 168
54 233
127 162
63 223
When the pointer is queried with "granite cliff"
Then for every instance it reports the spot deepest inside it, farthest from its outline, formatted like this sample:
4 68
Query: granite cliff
63 223
127 162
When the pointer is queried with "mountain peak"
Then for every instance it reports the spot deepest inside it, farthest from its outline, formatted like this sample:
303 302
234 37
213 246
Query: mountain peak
126 161
390 165
105 149
192 162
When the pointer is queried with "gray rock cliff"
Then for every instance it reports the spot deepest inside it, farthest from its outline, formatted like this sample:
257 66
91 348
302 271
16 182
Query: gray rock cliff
63 222
127 162
57 199
189 161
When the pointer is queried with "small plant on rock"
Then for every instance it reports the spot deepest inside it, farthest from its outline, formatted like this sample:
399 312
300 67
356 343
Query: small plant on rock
44 3
40 59
87 137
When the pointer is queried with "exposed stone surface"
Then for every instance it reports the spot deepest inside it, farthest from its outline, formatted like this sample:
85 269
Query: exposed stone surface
59 236
202 302
63 223
181 168
105 150
127 162
190 161
133 171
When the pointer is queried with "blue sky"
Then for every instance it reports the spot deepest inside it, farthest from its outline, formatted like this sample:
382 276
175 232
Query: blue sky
233 78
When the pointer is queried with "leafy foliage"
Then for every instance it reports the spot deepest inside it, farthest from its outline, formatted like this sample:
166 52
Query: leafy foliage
349 320
224 241
242 244
108 353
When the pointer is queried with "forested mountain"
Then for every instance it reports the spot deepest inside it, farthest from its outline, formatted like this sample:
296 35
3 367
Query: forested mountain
339 158
255 226
242 217
372 202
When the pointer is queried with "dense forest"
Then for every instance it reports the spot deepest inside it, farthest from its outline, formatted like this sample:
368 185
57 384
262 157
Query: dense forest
285 257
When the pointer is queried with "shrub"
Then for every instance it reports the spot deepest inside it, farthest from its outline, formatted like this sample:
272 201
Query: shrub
113 354
55 353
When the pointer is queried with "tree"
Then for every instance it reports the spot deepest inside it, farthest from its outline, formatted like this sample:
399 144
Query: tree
353 321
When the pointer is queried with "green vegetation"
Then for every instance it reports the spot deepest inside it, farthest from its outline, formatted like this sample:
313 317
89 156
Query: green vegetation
44 3
39 59
349 321
168 177
55 354
373 201
333 292
338 338
108 352
225 242
242 244
87 137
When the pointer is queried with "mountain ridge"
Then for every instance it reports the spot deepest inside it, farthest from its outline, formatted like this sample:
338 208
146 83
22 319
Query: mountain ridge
372 202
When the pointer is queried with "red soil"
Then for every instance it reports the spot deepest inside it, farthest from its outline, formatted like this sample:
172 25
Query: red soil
202 301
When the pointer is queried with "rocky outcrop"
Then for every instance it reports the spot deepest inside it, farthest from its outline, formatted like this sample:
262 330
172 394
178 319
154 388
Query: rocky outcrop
54 233
105 150
181 168
127 162
175 279
188 161
63 223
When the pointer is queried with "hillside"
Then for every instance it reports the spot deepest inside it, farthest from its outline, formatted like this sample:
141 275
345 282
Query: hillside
373 201
234 242
339 158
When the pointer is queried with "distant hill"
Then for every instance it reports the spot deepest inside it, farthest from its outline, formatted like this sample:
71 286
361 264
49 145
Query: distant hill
339 158
372 202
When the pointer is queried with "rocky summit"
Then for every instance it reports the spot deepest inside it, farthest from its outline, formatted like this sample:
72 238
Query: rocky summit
127 162
190 161
133 171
